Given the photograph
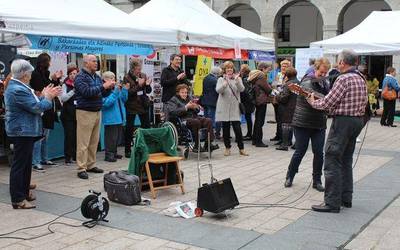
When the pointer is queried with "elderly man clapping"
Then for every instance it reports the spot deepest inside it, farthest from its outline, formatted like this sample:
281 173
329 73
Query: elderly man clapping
24 127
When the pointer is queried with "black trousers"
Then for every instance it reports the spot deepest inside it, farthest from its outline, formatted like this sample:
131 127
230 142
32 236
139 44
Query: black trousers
339 151
278 133
249 122
389 108
226 129
303 137
130 119
111 133
21 168
69 139
287 134
261 111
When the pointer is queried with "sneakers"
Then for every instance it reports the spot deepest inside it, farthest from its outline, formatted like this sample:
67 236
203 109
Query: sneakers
48 163
38 168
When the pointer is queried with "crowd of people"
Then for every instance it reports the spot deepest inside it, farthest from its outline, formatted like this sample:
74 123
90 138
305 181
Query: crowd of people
86 101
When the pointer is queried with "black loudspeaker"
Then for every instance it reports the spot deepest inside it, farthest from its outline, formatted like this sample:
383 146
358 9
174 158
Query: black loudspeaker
217 197
7 53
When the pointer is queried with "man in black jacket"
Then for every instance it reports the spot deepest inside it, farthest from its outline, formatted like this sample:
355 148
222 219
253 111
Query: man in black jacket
40 79
171 76
89 91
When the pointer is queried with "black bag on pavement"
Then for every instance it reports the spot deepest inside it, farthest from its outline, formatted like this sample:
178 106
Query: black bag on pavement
122 187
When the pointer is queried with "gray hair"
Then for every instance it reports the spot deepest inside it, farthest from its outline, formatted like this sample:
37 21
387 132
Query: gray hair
108 75
349 57
20 68
86 58
216 70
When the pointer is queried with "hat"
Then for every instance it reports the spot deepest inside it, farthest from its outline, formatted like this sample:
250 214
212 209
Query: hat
254 74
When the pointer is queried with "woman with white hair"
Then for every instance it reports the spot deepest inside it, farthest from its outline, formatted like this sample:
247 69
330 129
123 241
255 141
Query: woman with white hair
24 127
113 116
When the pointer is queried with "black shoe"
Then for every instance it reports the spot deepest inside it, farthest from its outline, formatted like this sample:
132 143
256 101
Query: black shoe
261 145
253 143
293 147
247 138
283 148
325 208
83 175
110 159
95 170
288 182
118 156
347 204
276 138
318 187
384 124
127 154
278 143
393 126
212 147
196 149
69 162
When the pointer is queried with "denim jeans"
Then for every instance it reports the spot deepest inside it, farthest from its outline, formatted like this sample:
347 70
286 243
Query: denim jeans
40 149
303 136
209 112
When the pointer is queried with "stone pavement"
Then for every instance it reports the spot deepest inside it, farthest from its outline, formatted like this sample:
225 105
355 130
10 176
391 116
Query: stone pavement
257 179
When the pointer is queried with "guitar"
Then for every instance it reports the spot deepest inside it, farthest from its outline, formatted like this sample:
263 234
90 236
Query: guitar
298 90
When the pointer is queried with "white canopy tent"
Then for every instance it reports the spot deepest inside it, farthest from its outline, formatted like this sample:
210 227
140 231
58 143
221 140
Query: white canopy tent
93 19
198 25
375 35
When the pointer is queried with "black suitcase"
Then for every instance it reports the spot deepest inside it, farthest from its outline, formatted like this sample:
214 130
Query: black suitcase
122 187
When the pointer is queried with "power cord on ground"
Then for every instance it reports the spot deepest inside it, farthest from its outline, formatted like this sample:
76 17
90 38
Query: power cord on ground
49 224
286 205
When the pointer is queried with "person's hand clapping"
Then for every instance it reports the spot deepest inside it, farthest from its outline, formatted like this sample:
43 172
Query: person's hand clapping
109 83
141 81
149 81
181 76
50 92
127 85
57 75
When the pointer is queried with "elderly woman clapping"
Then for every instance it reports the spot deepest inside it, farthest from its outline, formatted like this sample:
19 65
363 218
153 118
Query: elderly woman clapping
24 127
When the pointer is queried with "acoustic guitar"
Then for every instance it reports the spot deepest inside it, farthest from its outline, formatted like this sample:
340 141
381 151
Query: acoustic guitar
298 90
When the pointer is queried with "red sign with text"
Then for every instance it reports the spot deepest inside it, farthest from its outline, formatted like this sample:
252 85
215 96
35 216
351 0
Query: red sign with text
217 53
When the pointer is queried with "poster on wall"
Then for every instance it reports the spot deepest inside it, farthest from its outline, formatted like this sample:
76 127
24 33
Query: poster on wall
302 59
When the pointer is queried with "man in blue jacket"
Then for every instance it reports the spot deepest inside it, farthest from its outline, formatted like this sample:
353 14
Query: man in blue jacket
210 96
89 90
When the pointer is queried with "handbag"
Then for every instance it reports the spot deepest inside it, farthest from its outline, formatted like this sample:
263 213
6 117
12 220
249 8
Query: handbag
389 94
242 108
122 187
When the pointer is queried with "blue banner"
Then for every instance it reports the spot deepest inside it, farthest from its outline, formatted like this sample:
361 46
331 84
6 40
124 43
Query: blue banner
258 55
89 46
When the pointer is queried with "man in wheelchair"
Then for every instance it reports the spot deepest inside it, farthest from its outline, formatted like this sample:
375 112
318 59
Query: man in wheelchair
182 107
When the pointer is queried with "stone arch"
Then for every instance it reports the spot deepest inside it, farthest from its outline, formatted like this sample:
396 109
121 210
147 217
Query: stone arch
313 21
345 23
249 17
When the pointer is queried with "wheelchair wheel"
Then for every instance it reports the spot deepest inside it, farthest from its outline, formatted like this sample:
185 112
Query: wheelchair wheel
173 129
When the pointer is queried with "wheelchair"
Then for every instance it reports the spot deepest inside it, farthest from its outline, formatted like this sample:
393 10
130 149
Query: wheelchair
184 136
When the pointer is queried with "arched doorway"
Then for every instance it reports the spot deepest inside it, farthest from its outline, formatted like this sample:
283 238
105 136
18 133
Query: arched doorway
352 14
245 16
355 11
296 25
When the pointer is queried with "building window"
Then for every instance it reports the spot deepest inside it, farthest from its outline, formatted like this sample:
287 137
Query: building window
235 20
284 26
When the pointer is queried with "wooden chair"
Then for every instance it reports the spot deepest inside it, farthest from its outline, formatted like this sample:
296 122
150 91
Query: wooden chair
162 158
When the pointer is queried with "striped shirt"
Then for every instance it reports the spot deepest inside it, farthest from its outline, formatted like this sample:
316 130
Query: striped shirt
348 96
